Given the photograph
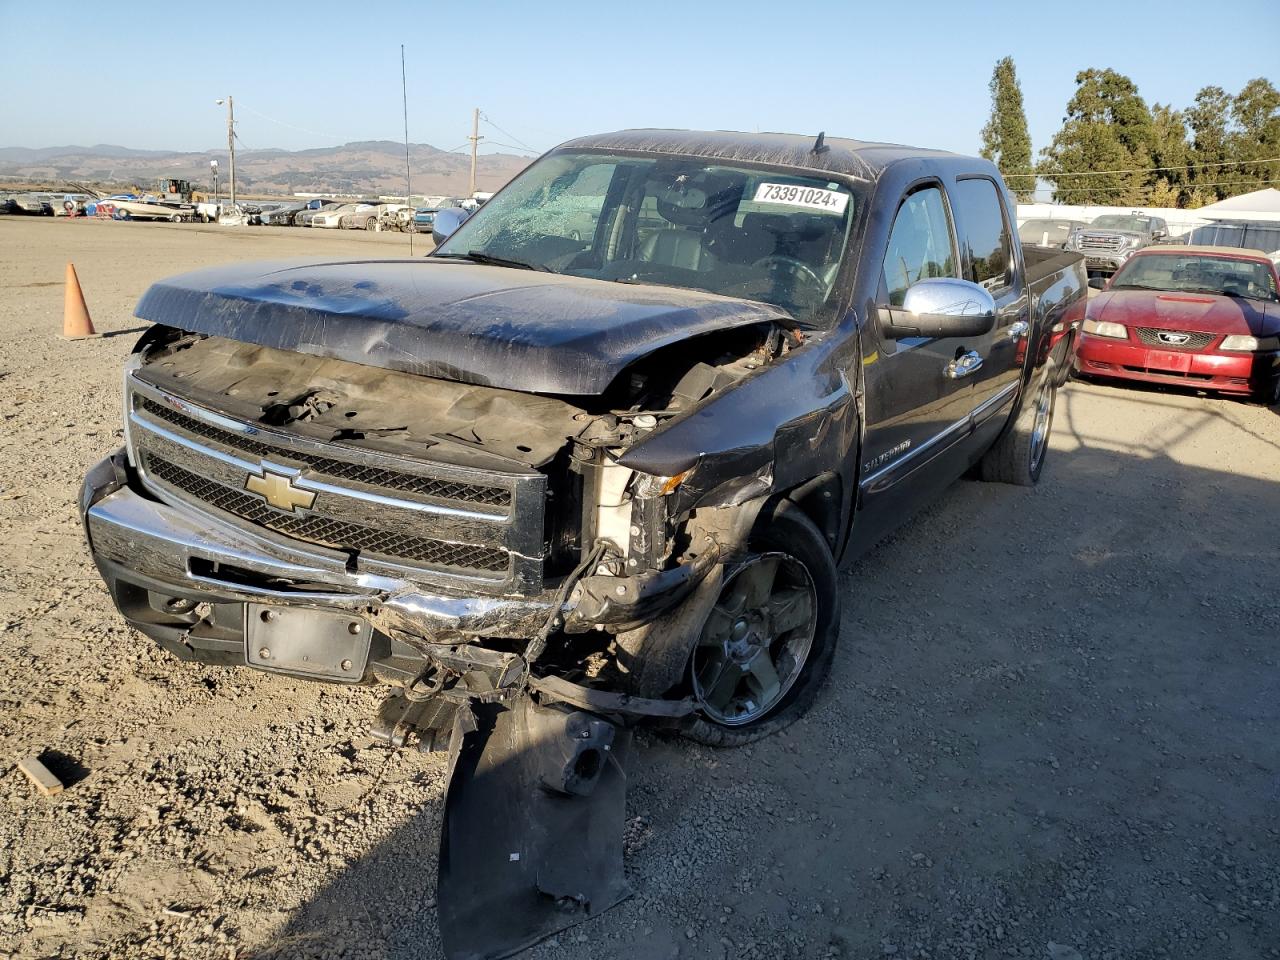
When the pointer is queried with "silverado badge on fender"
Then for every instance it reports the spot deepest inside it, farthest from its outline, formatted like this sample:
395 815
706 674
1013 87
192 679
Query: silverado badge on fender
279 491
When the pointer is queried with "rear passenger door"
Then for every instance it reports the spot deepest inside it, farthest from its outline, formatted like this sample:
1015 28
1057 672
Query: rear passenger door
985 235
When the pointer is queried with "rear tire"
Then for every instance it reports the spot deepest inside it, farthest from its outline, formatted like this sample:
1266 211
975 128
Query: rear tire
787 533
1018 456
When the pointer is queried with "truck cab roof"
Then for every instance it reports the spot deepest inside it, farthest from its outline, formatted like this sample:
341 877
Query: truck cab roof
864 160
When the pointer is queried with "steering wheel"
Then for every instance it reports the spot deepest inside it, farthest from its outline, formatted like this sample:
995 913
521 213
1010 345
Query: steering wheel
796 266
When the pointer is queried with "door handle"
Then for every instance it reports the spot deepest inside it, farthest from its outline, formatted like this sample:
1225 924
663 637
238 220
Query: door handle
963 365
1018 328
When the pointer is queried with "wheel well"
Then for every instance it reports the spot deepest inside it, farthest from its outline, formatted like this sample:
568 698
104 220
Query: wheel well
819 500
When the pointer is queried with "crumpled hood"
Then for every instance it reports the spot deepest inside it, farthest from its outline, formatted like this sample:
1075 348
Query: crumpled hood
494 326
1194 312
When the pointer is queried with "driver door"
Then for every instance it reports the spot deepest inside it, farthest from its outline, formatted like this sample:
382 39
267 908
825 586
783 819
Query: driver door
917 407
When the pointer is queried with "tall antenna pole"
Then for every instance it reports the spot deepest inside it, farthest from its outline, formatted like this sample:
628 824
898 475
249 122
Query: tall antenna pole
231 144
475 139
408 190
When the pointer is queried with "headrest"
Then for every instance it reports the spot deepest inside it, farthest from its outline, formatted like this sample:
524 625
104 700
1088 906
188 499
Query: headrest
697 198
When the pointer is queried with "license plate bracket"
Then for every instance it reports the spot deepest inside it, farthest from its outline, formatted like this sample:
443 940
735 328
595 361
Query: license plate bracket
323 644
1169 360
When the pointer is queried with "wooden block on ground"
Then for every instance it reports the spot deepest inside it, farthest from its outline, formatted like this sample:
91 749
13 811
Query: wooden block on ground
39 774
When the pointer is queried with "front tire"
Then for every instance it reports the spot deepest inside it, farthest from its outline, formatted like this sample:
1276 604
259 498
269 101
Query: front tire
768 644
1018 456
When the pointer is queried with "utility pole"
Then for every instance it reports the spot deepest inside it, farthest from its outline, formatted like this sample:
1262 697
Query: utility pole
231 142
475 139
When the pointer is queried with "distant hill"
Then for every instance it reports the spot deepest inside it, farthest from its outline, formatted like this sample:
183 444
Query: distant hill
368 168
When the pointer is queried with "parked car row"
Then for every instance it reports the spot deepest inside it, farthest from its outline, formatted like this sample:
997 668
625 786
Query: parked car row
347 215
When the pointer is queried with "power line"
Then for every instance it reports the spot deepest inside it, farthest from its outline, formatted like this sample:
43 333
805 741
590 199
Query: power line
512 146
1049 175
317 133
510 136
1220 183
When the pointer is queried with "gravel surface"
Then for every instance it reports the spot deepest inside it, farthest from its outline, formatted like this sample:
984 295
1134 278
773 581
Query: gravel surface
1051 730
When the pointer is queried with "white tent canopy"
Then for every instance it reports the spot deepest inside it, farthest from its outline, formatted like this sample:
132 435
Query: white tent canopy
1259 205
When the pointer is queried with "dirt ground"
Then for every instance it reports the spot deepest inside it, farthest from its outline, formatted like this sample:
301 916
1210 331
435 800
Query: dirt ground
1050 733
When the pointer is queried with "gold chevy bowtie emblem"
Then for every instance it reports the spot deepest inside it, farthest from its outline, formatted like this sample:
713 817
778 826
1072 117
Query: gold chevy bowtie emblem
279 491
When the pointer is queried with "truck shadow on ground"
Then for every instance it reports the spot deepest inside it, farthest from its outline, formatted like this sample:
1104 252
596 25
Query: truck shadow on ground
1051 720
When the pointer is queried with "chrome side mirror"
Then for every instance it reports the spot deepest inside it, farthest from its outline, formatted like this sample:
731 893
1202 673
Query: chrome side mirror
940 307
446 222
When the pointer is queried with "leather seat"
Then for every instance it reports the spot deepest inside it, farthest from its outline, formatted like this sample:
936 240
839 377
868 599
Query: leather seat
674 247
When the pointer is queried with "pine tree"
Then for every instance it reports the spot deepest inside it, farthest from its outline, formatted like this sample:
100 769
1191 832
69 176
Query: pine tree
1170 151
1208 119
1005 139
1255 137
1108 127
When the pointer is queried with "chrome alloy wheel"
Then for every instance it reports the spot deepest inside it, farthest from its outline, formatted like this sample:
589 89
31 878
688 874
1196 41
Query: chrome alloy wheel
1041 425
756 641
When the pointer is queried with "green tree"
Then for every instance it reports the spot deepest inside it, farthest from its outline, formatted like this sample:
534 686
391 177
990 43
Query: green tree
1170 155
1209 118
1005 139
1108 127
1254 136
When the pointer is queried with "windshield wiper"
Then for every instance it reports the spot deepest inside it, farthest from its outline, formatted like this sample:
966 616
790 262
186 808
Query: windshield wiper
479 256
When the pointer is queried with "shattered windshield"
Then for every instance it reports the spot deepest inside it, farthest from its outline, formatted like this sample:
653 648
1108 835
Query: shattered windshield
771 235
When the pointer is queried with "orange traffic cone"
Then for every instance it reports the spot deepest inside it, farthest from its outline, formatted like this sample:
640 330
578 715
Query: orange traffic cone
76 324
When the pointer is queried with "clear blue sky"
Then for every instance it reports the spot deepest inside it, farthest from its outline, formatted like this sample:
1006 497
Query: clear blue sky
145 75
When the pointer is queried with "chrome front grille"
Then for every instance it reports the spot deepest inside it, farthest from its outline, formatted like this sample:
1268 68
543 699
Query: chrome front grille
481 528
330 466
324 530
1171 339
1096 242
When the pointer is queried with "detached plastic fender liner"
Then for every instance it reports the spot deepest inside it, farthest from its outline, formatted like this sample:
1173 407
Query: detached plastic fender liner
533 819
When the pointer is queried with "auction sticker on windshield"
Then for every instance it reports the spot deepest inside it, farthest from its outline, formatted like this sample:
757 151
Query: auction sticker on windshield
791 195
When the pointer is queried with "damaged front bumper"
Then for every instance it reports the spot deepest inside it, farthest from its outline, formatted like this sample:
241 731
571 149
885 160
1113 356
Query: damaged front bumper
187 580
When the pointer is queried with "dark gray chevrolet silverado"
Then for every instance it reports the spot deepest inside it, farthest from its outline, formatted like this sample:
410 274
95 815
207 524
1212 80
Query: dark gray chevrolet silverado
594 461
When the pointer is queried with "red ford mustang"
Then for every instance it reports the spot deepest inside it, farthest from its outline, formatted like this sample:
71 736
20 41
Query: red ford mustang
1205 317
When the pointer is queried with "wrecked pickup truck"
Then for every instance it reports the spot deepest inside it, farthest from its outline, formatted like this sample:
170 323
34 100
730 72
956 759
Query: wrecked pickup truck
592 462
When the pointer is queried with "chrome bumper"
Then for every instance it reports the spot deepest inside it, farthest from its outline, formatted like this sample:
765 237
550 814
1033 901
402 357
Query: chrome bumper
151 553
